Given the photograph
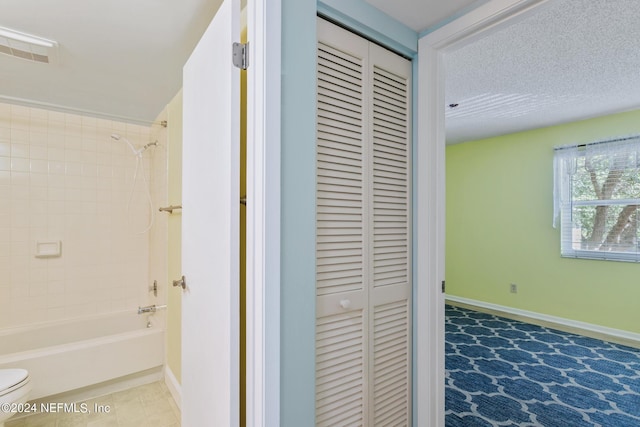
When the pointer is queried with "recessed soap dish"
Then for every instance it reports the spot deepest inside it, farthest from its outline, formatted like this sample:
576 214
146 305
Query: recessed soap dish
48 248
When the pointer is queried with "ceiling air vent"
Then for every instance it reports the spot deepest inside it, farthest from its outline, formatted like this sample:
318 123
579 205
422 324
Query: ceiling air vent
26 46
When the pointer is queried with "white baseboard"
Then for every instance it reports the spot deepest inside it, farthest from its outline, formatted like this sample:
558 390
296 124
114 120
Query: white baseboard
173 385
589 329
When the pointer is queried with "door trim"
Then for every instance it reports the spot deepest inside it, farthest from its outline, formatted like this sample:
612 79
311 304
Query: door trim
264 30
429 329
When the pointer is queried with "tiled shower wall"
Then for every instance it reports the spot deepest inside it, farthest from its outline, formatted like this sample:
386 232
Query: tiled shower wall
63 178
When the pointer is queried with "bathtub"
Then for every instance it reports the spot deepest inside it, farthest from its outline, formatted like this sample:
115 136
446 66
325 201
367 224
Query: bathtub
69 355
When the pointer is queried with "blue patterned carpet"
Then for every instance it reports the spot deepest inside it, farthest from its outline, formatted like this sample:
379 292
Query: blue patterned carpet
501 372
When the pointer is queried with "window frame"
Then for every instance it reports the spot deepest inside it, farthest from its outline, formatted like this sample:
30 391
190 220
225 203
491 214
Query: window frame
564 202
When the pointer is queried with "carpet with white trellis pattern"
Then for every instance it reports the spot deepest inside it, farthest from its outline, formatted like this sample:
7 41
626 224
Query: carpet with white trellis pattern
501 372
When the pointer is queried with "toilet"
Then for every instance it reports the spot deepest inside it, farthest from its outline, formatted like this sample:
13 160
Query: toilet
15 386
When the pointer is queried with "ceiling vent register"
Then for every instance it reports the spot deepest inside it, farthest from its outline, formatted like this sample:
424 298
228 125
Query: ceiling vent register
27 46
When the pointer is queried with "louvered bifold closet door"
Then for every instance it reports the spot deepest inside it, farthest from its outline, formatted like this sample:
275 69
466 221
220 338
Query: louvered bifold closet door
390 245
341 300
363 247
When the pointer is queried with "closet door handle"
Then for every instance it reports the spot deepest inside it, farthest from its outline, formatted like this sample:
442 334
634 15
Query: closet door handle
345 303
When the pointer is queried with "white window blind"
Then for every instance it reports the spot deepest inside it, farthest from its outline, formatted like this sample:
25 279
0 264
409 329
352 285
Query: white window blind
596 199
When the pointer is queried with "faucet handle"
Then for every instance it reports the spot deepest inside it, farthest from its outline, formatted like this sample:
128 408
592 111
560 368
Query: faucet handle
154 288
180 282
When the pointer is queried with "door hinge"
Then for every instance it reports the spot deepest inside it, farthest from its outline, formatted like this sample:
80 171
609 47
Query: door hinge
241 55
443 286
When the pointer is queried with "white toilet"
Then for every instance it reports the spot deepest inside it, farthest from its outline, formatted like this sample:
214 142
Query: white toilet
15 386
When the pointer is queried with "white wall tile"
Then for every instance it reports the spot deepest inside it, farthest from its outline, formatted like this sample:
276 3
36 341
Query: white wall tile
56 154
5 251
38 221
39 166
37 152
73 142
5 149
20 164
38 138
73 168
38 289
5 163
20 150
68 180
18 111
72 120
89 170
38 203
19 192
19 177
57 181
72 155
20 136
20 248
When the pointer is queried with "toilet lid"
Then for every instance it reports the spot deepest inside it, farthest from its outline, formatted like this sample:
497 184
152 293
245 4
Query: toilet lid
11 377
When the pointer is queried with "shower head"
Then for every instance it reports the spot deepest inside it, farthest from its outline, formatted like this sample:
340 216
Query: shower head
116 136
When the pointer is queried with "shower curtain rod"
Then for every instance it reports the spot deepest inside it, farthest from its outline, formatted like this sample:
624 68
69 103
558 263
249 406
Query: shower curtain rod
62 109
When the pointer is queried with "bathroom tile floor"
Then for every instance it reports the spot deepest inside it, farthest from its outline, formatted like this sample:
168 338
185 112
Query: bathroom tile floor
149 405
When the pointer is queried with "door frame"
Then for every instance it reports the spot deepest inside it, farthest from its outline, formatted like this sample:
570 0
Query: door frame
264 201
430 234
263 213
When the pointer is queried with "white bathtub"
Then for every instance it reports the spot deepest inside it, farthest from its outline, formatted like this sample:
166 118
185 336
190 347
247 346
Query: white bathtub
70 355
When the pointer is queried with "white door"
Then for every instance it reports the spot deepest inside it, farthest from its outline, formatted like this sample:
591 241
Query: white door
210 226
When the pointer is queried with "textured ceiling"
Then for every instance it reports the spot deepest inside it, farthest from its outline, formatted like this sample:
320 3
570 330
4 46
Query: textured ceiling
574 59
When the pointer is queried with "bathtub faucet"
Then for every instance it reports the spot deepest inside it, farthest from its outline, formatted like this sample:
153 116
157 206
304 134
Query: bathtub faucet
150 308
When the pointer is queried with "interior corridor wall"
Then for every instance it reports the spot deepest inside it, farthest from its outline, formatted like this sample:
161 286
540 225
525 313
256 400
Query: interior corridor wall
499 229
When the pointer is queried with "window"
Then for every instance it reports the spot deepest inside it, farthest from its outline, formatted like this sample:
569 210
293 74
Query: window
596 198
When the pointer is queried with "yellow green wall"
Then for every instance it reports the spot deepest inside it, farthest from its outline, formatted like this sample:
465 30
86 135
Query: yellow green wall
174 299
499 229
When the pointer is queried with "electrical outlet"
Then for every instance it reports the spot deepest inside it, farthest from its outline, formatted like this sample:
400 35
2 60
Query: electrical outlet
513 288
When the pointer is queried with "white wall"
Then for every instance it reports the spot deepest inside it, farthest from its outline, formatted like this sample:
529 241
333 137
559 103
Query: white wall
63 178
